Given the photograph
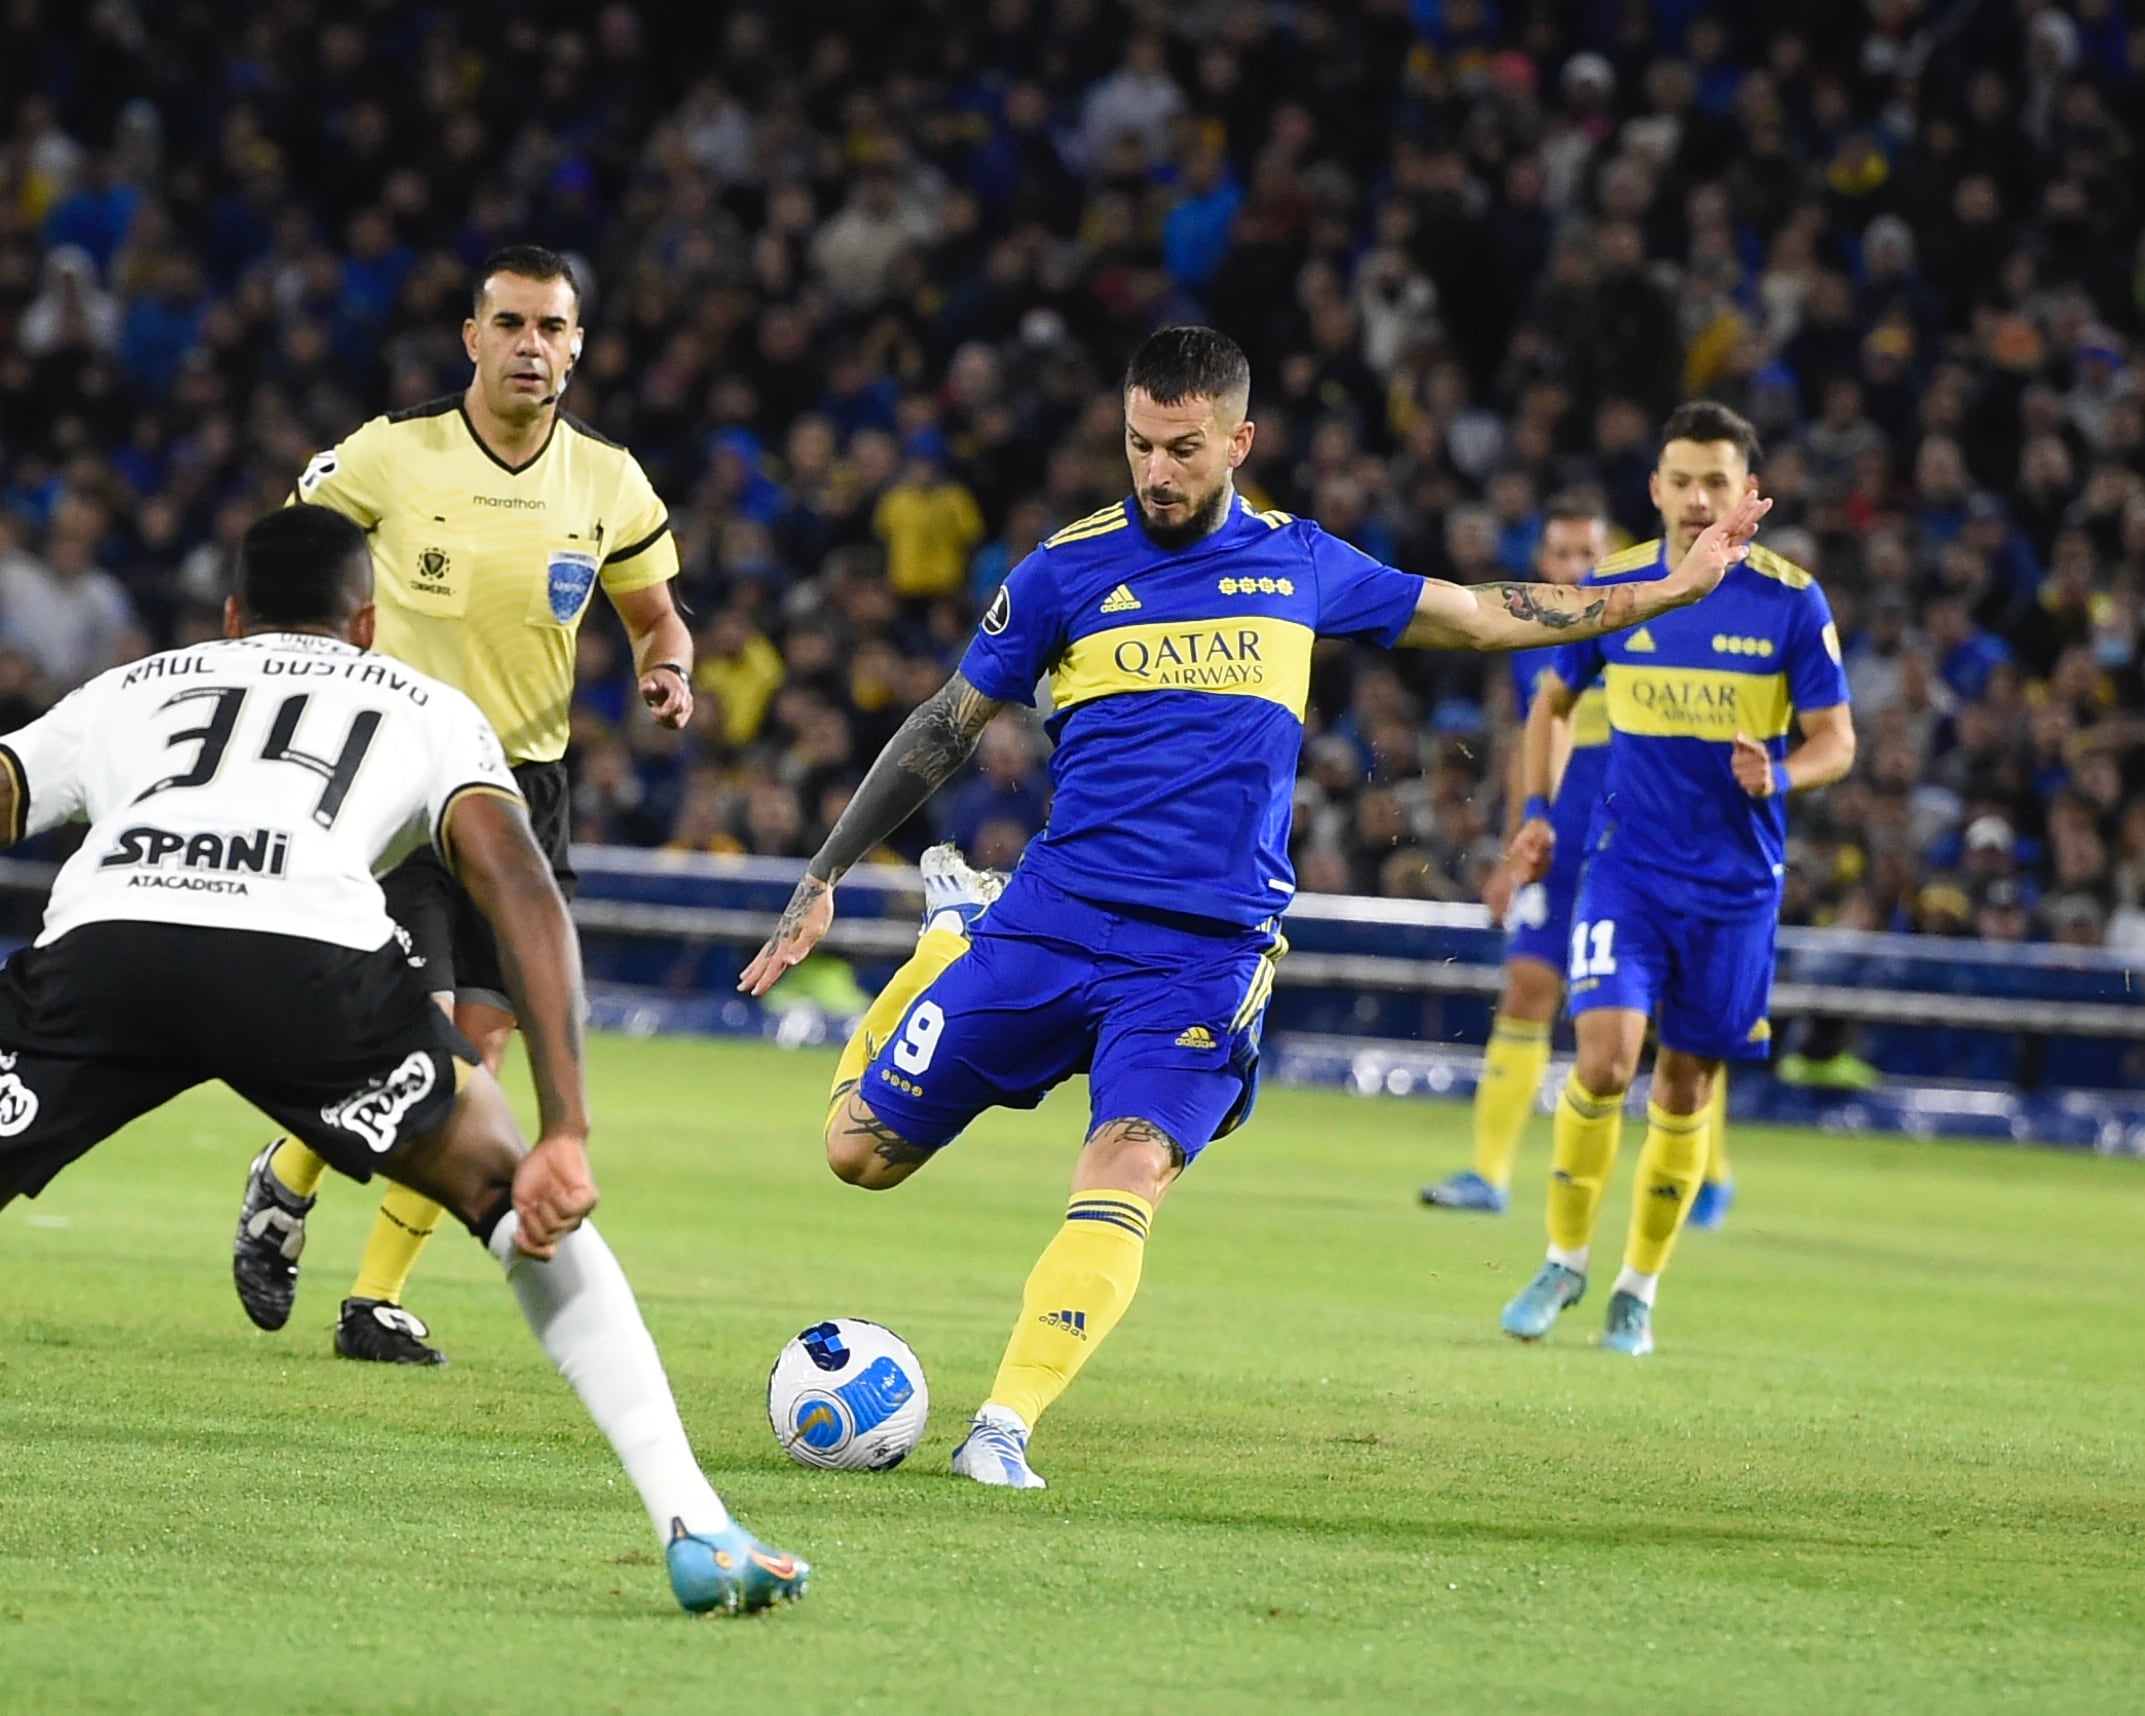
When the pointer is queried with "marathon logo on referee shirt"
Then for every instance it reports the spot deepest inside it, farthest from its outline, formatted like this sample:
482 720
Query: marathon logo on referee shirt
200 863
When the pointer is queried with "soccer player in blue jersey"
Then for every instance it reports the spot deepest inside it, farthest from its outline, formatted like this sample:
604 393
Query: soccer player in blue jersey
1137 940
1679 900
1536 915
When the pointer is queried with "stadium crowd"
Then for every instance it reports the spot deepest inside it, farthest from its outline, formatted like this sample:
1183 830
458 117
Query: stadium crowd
860 278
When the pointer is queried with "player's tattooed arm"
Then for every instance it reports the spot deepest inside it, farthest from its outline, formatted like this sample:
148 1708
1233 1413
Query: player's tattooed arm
1507 616
919 759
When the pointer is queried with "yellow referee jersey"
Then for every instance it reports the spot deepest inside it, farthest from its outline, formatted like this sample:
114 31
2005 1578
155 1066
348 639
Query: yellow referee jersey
484 572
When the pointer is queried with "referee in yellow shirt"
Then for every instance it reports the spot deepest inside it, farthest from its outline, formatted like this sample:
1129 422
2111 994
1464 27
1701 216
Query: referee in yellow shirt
493 517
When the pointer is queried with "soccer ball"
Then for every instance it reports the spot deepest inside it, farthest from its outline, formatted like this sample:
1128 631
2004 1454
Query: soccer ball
848 1396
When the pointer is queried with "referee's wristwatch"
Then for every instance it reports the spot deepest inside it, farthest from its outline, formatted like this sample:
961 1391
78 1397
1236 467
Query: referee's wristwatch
685 679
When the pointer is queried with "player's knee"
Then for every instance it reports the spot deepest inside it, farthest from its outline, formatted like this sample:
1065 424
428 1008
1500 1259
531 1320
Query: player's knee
1683 1084
1531 992
1606 1068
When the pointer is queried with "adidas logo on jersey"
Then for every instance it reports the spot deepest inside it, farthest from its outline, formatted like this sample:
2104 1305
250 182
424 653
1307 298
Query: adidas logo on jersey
1197 1037
1641 642
1073 1323
1120 601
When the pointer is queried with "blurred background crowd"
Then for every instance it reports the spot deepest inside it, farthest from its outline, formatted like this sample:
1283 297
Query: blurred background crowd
860 277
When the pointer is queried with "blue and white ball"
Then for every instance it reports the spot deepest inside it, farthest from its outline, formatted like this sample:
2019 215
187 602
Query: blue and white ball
849 1396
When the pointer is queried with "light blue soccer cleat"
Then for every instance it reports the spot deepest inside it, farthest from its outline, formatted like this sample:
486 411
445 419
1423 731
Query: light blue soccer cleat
1535 1308
1468 1191
996 1452
952 884
1630 1326
731 1570
1709 1210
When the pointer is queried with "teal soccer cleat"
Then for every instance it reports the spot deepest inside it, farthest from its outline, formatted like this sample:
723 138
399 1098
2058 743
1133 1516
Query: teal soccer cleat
995 1452
731 1570
1535 1308
1468 1191
1630 1326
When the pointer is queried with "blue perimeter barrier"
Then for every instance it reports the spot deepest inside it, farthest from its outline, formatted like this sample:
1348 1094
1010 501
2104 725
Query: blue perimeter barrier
2030 1044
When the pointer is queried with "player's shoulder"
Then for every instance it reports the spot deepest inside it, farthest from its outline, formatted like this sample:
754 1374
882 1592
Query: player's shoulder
1087 539
1639 557
1779 568
445 405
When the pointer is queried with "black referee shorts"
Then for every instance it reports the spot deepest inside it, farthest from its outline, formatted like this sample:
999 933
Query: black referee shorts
342 1049
449 937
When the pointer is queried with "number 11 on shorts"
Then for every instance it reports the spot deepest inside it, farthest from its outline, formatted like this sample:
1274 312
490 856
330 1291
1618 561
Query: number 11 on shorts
1601 960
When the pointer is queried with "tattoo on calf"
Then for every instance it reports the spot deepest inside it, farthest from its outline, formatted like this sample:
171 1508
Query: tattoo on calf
1522 603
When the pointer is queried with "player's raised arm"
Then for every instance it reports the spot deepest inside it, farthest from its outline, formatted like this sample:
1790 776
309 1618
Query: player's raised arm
495 856
1526 616
919 759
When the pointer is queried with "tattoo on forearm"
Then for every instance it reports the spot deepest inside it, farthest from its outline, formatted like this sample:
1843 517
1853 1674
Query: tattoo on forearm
1524 602
1143 1132
919 759
809 888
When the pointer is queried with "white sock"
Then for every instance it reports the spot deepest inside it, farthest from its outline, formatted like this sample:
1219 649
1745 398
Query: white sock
582 1312
1640 1287
1573 1260
946 918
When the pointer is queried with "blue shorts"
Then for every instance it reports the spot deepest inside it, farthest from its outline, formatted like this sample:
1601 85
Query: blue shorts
1705 971
1161 1012
1539 925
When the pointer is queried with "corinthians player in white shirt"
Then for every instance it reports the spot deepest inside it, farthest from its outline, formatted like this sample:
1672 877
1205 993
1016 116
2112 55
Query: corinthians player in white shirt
221 921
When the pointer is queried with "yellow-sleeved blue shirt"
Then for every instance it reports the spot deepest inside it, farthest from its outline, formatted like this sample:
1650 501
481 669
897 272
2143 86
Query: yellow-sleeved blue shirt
1679 688
1177 681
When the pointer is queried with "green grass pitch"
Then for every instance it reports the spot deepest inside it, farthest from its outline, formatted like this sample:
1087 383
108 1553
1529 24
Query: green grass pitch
1887 1458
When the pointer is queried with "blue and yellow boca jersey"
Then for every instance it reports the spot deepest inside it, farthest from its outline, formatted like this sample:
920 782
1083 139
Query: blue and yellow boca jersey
1581 783
1177 682
1679 688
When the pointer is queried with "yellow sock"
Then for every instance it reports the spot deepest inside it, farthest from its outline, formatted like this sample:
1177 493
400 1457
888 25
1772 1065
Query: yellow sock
1718 1173
399 1232
935 950
1671 1164
1512 1068
1588 1130
1076 1293
297 1167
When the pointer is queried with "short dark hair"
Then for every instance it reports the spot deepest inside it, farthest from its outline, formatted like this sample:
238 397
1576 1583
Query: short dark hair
1574 506
1175 364
527 261
1709 420
303 566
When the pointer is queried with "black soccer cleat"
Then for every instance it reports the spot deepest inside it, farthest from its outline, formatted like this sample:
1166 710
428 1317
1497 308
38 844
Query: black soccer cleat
264 1255
383 1333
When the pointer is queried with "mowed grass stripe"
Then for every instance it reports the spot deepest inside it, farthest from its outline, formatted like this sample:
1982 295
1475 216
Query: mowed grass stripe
1884 1460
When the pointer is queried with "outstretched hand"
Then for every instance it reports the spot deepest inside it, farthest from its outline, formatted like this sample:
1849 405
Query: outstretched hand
1719 546
807 917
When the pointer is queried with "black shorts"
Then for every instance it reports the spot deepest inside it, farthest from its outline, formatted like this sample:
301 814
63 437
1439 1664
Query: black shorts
451 938
342 1049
